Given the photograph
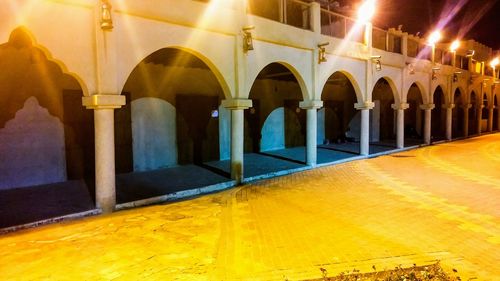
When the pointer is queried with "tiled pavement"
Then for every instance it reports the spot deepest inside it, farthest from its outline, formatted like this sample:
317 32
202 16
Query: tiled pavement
439 202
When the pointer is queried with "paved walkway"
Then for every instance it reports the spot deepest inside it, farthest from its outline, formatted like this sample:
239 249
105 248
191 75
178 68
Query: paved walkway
439 202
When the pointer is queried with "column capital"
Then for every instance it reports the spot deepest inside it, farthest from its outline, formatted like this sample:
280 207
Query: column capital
103 101
480 106
400 106
311 104
492 107
427 106
448 105
364 105
466 106
237 103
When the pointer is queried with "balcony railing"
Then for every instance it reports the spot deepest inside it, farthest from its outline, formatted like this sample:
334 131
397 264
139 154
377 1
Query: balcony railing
386 41
297 13
340 26
292 12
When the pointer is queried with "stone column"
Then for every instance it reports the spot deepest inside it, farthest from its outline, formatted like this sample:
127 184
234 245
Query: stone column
427 121
104 106
312 129
466 108
491 110
237 107
449 119
364 142
315 18
400 126
479 117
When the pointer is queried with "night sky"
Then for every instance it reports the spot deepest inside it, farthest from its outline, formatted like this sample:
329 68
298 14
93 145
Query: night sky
473 19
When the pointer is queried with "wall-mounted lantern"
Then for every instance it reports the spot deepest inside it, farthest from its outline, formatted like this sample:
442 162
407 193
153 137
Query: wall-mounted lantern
378 64
106 19
322 52
434 72
411 68
455 76
247 38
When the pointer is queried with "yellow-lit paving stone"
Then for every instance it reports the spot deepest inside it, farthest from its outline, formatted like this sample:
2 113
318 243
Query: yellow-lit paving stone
435 203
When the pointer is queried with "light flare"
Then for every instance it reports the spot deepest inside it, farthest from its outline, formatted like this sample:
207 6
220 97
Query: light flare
495 62
434 37
454 46
366 11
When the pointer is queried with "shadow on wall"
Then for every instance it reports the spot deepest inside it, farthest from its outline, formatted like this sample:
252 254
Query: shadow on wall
46 135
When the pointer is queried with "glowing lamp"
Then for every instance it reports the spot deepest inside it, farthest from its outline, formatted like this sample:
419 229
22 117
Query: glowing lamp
454 46
366 11
494 62
434 37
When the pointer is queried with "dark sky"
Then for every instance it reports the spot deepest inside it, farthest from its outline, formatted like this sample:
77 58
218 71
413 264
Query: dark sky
467 19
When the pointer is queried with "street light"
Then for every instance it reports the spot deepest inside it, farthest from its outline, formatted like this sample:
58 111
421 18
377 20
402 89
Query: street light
453 48
366 10
493 65
433 39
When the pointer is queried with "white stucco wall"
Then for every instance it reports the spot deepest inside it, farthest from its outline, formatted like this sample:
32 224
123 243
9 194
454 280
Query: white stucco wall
154 134
273 131
65 31
32 148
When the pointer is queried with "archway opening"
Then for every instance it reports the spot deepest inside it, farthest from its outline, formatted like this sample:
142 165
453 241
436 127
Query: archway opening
474 114
414 117
382 119
484 113
46 137
339 123
172 128
438 116
275 125
458 114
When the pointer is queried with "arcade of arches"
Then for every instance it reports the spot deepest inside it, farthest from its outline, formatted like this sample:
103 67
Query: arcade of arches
175 122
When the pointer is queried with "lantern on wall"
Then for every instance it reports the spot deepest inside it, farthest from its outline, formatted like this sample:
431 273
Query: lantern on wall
106 19
247 38
322 52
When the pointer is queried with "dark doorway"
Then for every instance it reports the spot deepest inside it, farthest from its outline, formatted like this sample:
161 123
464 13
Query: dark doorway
438 118
383 129
474 112
414 117
458 114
